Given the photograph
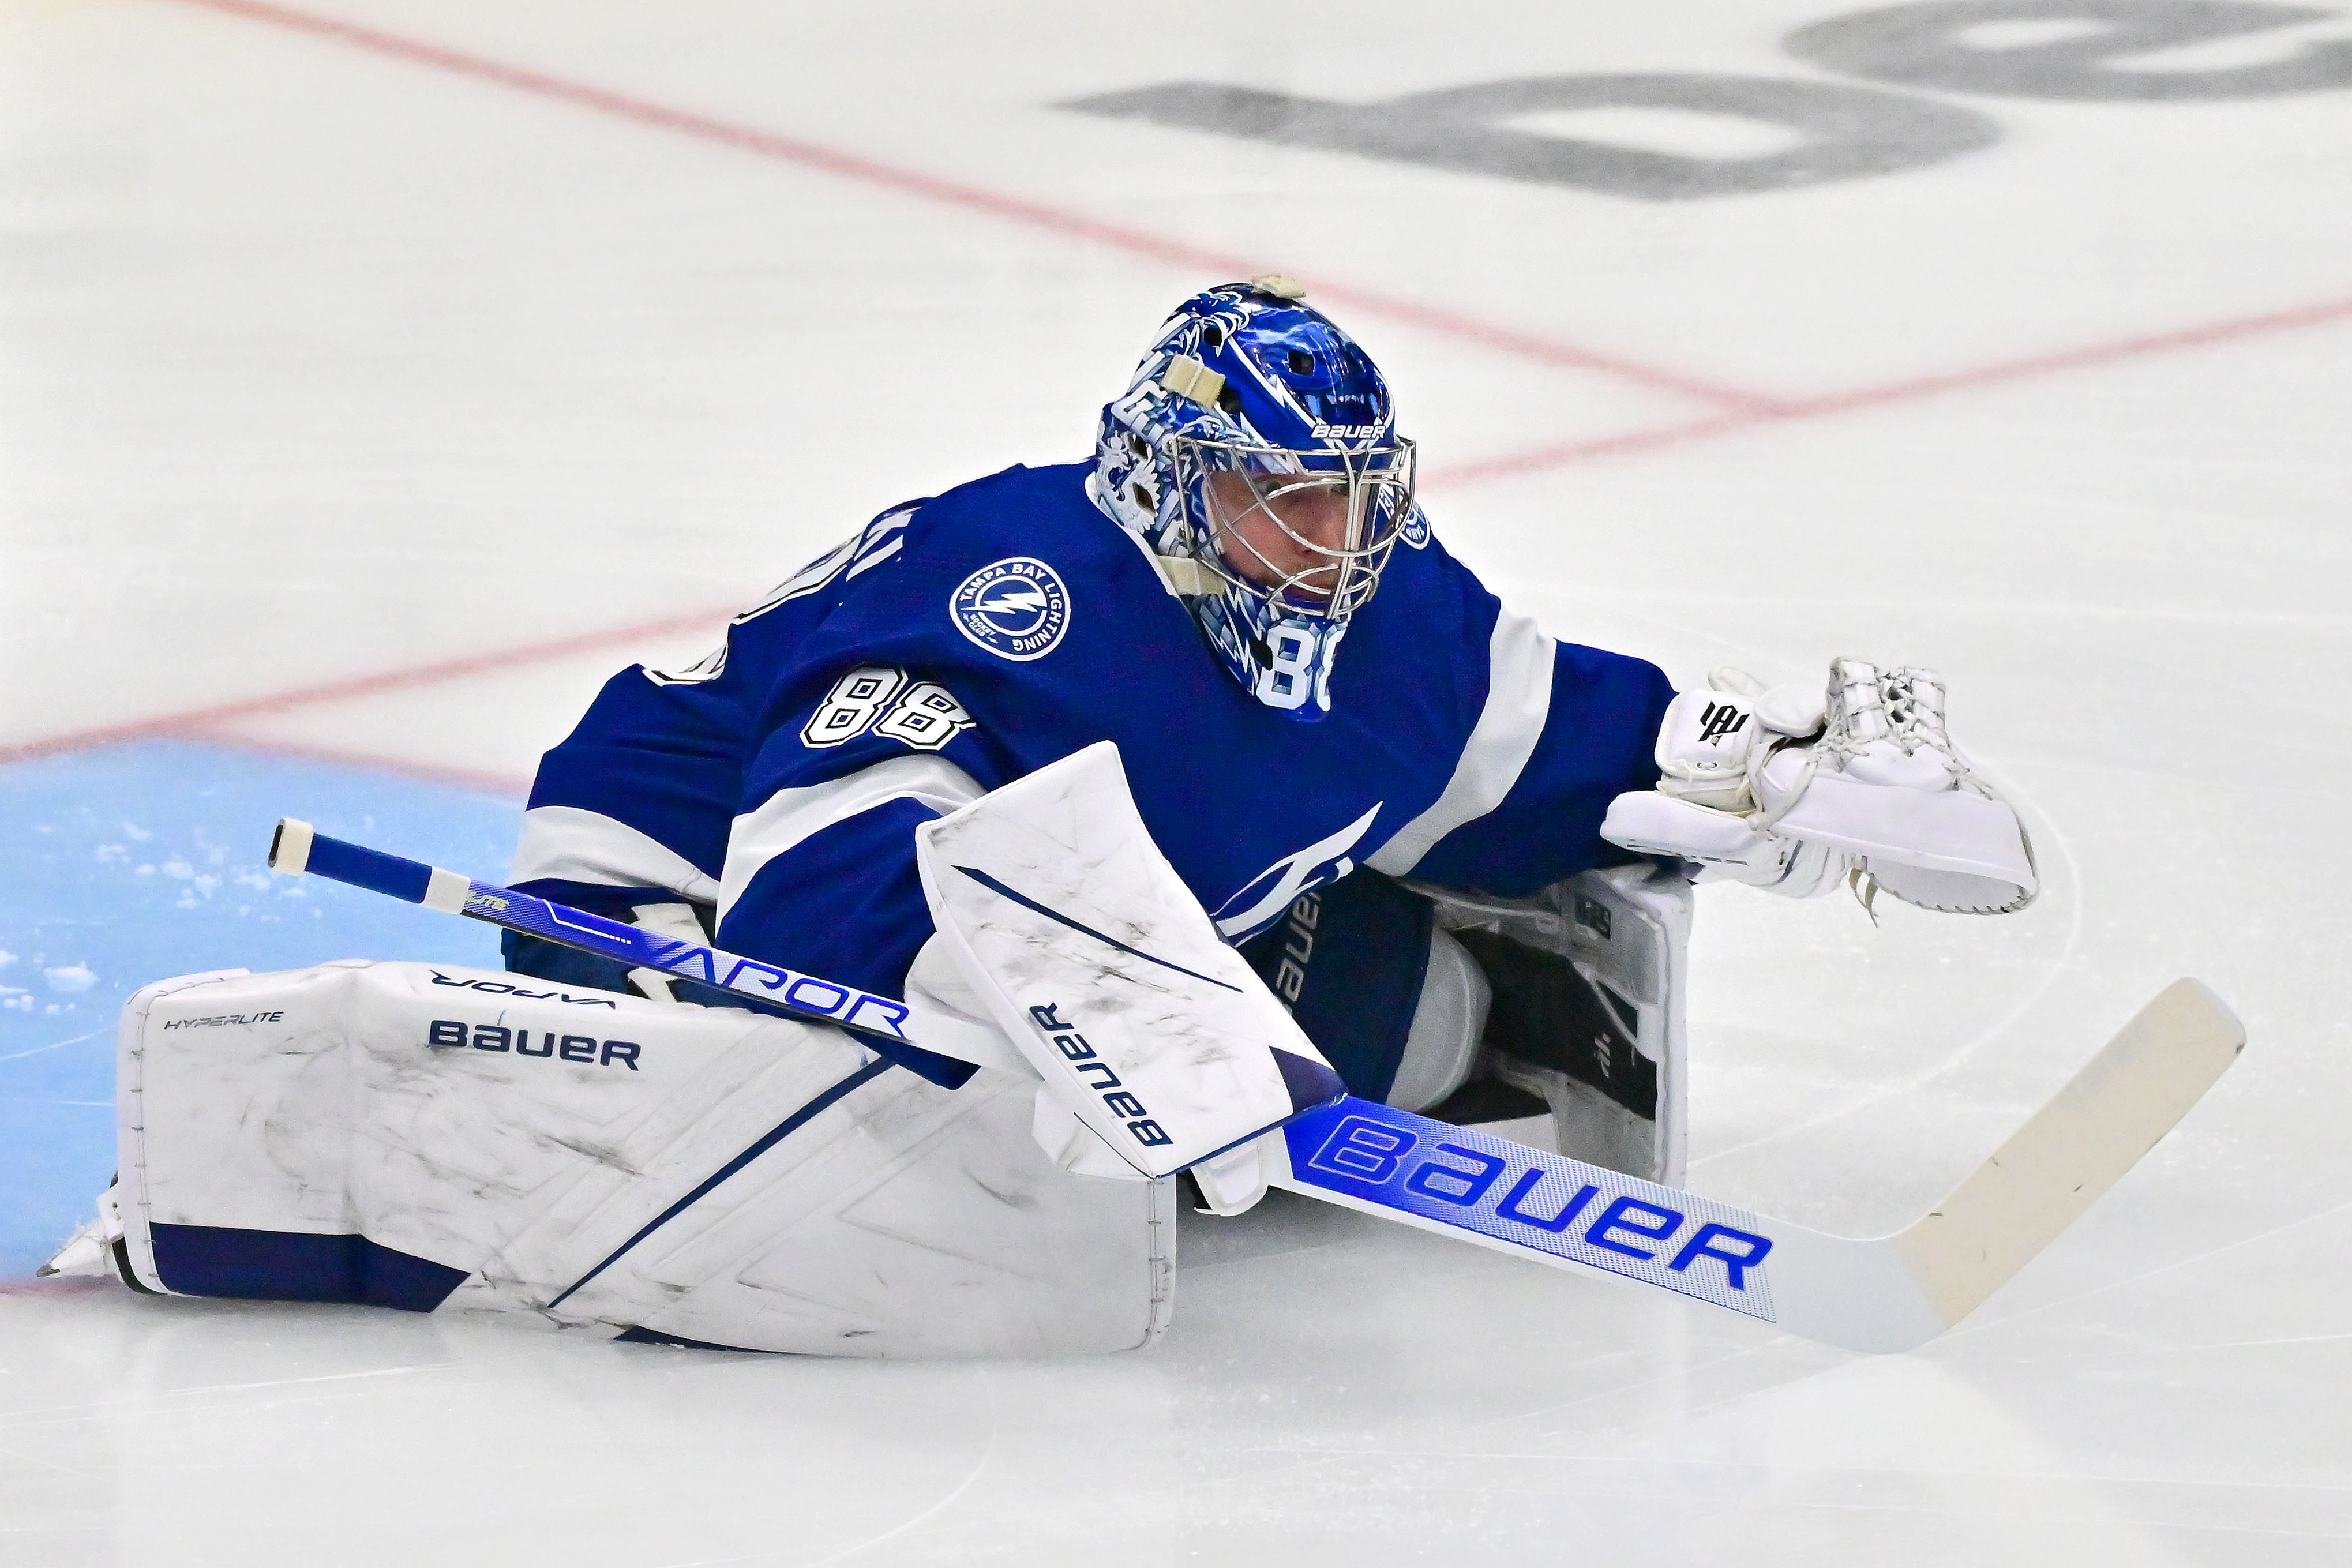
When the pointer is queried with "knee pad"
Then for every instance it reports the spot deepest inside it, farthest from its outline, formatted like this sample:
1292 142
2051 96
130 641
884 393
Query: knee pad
1445 1039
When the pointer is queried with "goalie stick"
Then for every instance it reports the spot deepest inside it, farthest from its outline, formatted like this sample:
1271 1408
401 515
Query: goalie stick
297 847
1886 1293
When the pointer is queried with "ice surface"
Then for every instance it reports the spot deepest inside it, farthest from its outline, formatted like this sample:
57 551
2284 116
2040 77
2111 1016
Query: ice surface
331 375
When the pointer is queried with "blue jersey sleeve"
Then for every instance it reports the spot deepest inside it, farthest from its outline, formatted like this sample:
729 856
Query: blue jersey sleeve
1597 741
844 903
820 872
635 805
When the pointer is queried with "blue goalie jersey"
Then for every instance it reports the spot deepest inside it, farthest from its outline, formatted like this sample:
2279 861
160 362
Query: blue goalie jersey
957 644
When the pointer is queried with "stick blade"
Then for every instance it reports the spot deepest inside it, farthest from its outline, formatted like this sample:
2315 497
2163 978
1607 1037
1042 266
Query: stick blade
2072 1150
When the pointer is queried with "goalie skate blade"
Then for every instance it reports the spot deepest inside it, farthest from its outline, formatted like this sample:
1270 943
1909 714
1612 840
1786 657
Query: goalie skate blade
1890 1293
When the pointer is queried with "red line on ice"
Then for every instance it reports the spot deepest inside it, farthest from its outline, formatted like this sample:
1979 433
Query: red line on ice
475 779
196 720
1909 390
1739 410
1624 445
975 198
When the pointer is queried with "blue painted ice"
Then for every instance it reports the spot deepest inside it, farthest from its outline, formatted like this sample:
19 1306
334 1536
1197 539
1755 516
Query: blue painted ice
126 865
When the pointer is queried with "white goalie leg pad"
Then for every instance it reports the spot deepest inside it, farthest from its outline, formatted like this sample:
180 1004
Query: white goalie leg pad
1587 981
461 1140
1629 934
1094 957
97 1247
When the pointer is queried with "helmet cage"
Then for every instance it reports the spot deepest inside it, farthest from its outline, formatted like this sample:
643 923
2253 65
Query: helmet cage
1335 553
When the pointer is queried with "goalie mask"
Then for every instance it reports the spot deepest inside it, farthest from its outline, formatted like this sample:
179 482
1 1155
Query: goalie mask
1256 448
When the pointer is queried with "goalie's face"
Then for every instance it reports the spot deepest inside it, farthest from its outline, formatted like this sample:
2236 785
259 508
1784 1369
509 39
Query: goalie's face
1314 536
1280 536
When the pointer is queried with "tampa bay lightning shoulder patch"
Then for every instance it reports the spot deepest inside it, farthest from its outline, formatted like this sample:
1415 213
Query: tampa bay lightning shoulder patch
1017 608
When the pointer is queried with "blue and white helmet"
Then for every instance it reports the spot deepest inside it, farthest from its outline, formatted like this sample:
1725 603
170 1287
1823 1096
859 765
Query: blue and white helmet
1255 453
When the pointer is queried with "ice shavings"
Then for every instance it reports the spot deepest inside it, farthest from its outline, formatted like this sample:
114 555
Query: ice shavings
71 977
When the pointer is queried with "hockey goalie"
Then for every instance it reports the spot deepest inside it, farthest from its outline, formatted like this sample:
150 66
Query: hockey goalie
1168 796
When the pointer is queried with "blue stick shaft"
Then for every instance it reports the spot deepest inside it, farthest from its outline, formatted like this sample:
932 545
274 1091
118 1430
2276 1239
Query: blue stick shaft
298 849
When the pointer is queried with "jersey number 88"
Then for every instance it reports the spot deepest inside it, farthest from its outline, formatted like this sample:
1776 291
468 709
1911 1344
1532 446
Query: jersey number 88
925 717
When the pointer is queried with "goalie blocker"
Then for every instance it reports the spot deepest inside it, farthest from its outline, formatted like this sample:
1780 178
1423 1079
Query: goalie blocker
1059 920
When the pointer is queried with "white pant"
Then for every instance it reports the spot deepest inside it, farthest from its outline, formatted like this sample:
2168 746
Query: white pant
454 1139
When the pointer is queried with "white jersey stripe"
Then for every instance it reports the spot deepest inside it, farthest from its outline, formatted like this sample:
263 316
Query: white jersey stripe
873 558
579 846
790 815
1519 701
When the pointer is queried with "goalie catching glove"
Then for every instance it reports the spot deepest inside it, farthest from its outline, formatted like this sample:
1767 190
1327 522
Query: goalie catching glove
1795 794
